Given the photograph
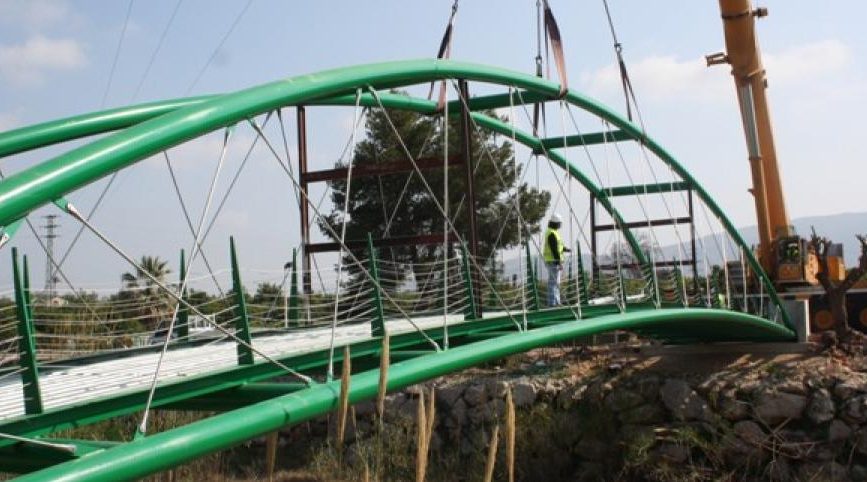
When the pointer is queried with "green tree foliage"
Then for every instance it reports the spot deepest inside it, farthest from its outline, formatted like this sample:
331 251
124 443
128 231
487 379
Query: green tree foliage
374 200
153 305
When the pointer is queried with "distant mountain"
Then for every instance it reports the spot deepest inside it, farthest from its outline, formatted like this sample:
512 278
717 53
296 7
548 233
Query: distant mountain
839 228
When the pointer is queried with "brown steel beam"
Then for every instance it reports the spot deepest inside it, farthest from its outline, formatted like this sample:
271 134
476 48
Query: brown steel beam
645 224
414 240
381 169
303 206
467 153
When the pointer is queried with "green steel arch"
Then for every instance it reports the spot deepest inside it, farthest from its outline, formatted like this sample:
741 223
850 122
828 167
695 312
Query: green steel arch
161 451
63 130
152 128
54 178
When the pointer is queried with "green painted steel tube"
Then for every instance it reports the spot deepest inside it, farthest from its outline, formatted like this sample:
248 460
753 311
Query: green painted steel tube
63 130
26 342
242 319
174 447
531 280
640 190
576 140
183 322
29 189
377 326
471 310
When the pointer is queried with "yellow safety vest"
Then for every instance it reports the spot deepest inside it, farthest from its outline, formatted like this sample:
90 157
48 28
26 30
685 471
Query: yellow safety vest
546 249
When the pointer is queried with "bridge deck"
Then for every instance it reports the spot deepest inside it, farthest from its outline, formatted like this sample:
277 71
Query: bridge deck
73 385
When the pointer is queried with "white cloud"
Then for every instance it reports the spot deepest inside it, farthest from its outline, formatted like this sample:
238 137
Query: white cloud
804 63
34 14
31 61
666 77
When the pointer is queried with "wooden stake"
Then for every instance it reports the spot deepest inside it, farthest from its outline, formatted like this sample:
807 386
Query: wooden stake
271 453
429 418
343 408
492 454
384 362
421 448
510 435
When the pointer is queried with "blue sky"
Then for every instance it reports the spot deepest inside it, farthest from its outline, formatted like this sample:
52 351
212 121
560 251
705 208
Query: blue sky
55 59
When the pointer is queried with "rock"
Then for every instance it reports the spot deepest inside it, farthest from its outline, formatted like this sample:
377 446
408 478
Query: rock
858 472
496 388
838 431
648 413
821 407
853 384
622 399
796 387
673 453
475 395
683 402
749 431
825 471
457 414
648 387
591 448
779 469
775 407
364 409
855 410
570 396
861 442
523 394
448 395
733 409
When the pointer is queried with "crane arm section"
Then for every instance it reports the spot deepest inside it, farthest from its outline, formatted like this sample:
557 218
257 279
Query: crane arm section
744 56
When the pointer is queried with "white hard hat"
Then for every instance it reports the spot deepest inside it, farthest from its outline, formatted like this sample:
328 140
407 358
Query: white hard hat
555 218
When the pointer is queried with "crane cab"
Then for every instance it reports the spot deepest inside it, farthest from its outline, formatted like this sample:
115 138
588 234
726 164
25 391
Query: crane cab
796 263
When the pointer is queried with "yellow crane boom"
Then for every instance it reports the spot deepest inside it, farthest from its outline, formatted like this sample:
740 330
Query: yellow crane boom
744 56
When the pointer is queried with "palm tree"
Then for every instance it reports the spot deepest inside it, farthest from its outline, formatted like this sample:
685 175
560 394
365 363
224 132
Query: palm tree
153 302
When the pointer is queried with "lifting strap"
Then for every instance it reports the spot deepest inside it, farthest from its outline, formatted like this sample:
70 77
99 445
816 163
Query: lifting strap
628 92
553 32
444 52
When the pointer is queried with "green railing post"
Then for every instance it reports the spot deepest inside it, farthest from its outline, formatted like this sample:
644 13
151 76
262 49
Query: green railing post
377 325
680 287
182 326
26 340
582 276
531 279
492 295
293 292
242 320
470 312
571 287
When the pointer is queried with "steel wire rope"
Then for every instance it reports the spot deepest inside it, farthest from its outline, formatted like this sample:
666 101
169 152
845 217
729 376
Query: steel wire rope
73 211
518 203
117 50
347 196
51 258
157 49
546 155
219 46
428 187
190 222
142 428
331 232
446 203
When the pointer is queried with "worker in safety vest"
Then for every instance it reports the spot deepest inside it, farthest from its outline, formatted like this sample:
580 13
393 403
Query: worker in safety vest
552 252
